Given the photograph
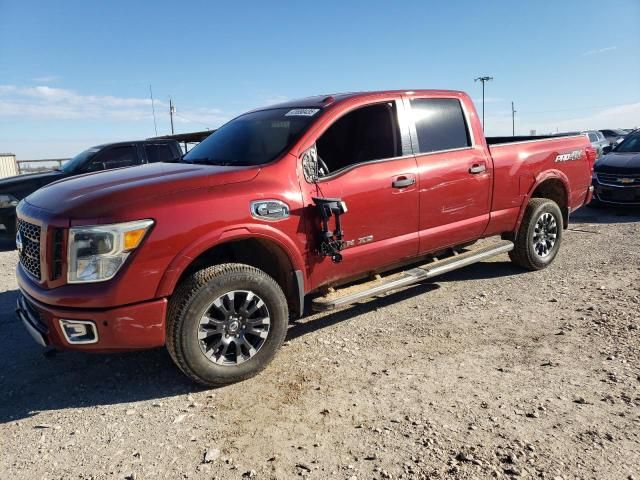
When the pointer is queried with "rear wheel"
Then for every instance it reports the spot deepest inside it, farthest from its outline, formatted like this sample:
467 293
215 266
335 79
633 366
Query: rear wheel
225 323
538 239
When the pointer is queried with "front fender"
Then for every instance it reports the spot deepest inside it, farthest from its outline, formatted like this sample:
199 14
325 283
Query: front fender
239 232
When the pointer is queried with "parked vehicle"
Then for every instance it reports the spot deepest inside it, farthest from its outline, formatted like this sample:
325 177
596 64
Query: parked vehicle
598 142
101 157
616 177
614 136
213 255
596 139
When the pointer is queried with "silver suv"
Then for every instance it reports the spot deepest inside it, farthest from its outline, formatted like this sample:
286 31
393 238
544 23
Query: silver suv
598 141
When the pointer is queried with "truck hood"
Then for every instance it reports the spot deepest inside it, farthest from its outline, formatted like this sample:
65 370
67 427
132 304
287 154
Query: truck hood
619 163
95 195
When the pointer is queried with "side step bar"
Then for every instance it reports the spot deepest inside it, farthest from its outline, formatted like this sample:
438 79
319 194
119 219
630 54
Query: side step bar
415 275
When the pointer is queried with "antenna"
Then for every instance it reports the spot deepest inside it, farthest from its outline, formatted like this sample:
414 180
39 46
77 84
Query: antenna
513 120
153 109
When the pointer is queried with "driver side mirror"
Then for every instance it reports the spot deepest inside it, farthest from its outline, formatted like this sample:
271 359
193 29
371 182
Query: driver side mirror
310 164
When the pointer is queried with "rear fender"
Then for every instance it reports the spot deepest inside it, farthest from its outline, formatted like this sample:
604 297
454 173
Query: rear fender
540 179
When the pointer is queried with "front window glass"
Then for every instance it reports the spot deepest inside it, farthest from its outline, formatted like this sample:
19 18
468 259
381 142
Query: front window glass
368 133
631 144
115 157
79 160
254 138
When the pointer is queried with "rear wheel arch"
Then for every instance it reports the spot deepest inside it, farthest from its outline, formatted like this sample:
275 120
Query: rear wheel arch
553 188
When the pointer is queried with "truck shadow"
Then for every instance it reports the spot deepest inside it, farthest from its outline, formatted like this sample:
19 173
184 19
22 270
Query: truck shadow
600 215
7 242
312 322
32 382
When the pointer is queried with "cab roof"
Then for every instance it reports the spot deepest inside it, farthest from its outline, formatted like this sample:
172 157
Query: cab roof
321 101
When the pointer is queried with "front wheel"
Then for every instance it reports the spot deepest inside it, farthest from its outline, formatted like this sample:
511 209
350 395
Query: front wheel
225 323
538 239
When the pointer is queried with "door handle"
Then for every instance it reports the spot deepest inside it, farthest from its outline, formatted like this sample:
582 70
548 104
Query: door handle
478 168
402 182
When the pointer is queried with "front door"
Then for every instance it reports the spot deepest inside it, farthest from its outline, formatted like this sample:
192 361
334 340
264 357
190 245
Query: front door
363 162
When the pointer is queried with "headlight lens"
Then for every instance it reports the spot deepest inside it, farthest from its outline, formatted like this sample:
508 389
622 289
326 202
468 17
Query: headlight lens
8 201
97 253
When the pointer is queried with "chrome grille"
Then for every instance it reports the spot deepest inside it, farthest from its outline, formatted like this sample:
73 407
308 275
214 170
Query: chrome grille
620 179
30 252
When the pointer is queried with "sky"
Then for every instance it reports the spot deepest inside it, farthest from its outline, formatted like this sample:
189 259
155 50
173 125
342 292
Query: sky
77 73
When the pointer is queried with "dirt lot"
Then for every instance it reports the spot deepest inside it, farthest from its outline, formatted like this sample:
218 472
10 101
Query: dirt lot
486 372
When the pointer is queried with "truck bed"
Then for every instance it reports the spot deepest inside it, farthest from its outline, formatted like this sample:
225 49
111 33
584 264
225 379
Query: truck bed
519 162
523 138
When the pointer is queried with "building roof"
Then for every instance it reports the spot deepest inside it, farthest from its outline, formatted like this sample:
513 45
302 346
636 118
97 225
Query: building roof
191 137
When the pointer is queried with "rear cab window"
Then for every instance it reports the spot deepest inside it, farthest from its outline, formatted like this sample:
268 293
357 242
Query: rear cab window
440 124
159 153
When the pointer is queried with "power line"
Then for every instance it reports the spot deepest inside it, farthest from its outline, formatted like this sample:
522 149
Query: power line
153 109
191 119
582 108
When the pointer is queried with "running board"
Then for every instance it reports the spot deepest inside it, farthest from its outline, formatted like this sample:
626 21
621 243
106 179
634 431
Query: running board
415 275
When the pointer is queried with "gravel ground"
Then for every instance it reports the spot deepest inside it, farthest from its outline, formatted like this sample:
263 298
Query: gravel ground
487 372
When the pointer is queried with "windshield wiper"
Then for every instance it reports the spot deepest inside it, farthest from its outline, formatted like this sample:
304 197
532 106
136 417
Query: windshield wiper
208 161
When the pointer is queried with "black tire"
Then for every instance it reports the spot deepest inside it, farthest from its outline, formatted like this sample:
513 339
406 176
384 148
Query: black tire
525 253
11 226
194 298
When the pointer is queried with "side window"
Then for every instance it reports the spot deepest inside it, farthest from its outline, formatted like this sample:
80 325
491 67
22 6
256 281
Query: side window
593 137
440 124
158 153
115 157
368 133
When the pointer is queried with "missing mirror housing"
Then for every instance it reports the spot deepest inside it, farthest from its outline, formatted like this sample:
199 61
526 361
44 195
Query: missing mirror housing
310 164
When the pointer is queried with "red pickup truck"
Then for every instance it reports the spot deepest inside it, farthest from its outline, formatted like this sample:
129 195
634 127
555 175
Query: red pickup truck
212 255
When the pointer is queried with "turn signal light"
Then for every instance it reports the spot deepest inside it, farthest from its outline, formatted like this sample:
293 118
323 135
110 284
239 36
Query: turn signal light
133 238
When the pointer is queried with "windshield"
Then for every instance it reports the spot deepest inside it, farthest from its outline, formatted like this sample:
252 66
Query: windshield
631 144
79 160
254 138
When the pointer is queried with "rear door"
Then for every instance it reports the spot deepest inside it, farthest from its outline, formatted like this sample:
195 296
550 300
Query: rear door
367 165
454 173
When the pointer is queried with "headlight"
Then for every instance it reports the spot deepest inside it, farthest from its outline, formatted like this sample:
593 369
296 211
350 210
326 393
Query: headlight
97 253
8 201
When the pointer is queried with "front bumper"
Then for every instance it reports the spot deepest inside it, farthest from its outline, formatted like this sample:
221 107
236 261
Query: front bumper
131 327
616 194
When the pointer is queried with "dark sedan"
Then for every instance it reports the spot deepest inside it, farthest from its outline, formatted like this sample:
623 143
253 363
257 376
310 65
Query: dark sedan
616 177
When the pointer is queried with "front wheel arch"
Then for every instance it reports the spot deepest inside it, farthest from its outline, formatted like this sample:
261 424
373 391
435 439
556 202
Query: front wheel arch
259 252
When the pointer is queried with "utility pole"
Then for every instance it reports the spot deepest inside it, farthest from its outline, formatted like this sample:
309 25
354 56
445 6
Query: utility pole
513 120
153 110
483 80
172 111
